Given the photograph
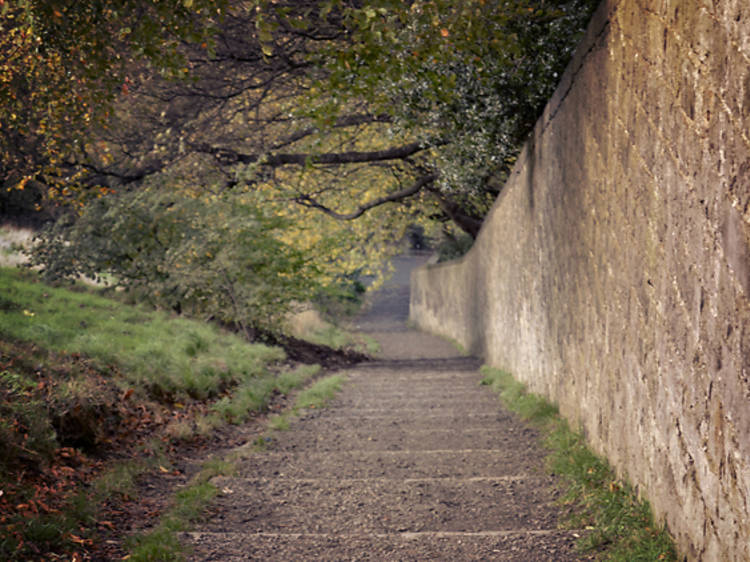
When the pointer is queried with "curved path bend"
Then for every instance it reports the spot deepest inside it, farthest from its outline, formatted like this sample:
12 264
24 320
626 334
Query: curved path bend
414 460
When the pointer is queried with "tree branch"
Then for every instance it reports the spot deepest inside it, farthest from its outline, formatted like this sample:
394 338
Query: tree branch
308 201
468 223
228 156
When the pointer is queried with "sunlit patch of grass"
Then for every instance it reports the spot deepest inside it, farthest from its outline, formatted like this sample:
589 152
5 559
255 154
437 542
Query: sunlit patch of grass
320 393
166 356
619 525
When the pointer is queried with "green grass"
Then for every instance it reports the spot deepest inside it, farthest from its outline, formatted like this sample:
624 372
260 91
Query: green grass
619 525
289 380
120 478
162 543
168 357
66 350
320 393
317 396
253 396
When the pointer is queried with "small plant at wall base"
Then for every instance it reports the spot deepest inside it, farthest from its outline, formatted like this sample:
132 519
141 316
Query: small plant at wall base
620 526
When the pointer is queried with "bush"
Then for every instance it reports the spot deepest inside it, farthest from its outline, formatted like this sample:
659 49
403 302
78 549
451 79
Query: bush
213 257
454 247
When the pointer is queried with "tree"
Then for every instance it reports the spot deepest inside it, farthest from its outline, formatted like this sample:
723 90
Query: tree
219 258
346 121
430 98
62 65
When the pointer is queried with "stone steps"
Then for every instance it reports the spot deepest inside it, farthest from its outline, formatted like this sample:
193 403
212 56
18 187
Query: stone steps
405 463
531 545
384 505
414 460
440 473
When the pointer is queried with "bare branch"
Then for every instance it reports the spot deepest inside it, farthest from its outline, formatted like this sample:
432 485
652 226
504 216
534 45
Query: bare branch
228 156
308 201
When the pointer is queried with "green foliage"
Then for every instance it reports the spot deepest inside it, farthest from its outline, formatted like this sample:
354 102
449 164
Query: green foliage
212 257
620 525
468 79
454 247
64 63
342 297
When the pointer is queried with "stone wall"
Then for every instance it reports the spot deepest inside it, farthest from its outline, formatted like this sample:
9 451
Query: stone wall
613 273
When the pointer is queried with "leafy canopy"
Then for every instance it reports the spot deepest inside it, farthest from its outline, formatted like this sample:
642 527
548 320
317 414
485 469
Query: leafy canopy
309 136
64 62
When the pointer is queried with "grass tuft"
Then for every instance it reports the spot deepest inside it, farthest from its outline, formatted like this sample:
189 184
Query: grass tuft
289 380
620 525
320 393
162 543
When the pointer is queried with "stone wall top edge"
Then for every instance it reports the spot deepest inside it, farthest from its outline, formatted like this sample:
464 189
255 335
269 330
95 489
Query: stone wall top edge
599 21
597 25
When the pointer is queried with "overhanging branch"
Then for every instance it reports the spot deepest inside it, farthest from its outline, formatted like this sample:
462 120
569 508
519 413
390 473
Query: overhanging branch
275 160
421 183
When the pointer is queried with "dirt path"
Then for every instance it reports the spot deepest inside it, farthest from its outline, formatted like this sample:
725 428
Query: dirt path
413 461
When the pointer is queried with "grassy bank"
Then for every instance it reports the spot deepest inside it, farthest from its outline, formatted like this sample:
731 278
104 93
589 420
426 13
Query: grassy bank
94 394
618 525
165 356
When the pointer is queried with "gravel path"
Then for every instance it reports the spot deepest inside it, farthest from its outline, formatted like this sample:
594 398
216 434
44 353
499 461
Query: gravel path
413 461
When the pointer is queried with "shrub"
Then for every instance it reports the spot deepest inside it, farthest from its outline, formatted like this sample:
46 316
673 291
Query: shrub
212 257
